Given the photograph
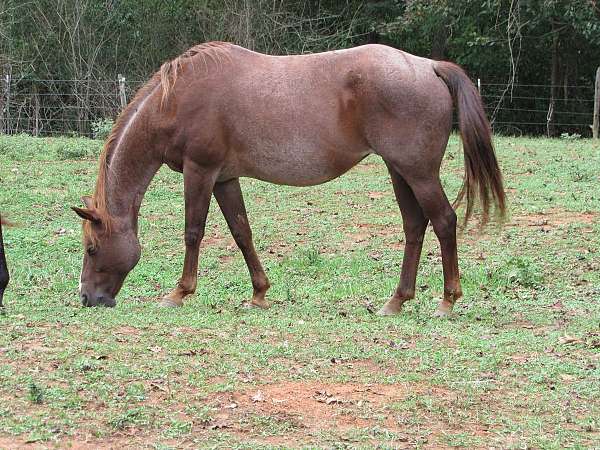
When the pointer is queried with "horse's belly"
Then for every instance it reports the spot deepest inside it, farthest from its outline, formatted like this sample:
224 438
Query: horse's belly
299 166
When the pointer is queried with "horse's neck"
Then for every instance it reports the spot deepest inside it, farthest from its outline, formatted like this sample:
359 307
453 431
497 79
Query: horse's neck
130 171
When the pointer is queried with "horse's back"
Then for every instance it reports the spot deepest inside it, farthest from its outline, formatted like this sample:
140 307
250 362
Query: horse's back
305 119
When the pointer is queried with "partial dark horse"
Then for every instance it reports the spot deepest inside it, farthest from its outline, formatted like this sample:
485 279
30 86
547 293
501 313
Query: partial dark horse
3 268
220 112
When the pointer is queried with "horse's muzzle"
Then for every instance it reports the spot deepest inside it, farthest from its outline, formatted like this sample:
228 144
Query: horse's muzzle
100 301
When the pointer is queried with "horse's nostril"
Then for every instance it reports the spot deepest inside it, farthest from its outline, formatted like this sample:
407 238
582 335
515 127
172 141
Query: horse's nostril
84 299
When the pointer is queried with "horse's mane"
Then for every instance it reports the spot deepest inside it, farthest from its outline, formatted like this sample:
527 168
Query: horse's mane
99 197
209 52
166 78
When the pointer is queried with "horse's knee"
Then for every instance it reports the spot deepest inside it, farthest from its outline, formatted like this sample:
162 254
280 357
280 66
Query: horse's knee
193 238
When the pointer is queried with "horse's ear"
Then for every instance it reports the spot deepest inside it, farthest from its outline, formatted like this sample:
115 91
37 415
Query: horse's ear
87 214
87 201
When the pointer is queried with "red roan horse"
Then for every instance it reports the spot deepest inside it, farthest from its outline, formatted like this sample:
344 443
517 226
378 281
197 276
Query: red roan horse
220 112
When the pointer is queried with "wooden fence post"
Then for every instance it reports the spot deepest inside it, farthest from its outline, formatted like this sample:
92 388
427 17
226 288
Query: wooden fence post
122 93
6 100
36 112
596 124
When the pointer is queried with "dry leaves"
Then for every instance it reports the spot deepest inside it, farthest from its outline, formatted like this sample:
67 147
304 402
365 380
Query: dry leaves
258 397
566 340
328 399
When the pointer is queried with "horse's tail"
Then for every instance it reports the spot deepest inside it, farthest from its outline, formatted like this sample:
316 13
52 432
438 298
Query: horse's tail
482 174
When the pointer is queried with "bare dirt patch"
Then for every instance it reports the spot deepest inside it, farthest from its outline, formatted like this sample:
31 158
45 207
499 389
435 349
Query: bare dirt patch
302 409
305 406
365 231
554 218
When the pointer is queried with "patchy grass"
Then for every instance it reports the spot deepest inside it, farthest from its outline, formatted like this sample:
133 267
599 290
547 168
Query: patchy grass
517 366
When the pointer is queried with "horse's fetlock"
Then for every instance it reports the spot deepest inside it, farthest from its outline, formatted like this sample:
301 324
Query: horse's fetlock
452 295
405 294
186 288
261 284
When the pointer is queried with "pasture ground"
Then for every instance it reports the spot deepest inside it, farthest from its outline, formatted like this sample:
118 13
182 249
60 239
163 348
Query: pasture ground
518 365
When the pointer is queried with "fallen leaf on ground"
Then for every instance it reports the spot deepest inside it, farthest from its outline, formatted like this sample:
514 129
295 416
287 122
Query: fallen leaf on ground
193 352
328 399
566 339
220 424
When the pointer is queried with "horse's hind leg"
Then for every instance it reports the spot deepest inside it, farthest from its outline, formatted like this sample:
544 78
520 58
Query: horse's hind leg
230 199
198 186
428 191
414 223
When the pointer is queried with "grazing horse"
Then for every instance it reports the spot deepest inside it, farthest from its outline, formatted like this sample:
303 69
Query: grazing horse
4 278
219 112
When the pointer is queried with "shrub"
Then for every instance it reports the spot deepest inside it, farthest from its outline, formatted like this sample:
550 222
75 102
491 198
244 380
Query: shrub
101 128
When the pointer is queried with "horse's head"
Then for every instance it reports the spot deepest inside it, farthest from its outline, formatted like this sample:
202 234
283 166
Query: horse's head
111 252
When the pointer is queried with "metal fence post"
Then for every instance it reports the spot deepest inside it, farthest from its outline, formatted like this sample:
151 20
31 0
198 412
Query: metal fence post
596 123
122 93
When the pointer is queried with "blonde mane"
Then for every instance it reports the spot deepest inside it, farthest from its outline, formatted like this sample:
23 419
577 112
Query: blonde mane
166 77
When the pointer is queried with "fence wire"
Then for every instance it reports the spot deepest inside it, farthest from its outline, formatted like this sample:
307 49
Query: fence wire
80 107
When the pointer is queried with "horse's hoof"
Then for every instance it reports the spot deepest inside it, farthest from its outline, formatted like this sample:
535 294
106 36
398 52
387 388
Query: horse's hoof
443 310
168 303
258 304
391 308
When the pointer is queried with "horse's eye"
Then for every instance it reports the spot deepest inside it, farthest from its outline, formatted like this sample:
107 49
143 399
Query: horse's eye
91 250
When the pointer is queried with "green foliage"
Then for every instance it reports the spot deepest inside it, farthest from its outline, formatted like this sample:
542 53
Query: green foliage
523 271
101 128
36 393
131 417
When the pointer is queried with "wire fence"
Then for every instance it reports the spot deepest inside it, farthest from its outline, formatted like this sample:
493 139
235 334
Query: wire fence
539 109
85 107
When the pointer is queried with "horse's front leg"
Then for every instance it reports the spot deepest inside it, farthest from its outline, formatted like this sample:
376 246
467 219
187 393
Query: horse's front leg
230 199
198 185
3 268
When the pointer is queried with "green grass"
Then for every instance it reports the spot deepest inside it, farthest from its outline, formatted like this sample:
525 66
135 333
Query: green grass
517 365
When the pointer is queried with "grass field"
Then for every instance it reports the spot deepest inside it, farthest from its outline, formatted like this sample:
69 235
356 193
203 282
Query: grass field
518 365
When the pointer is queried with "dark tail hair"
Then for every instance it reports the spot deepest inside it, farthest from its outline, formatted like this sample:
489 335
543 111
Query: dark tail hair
482 174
